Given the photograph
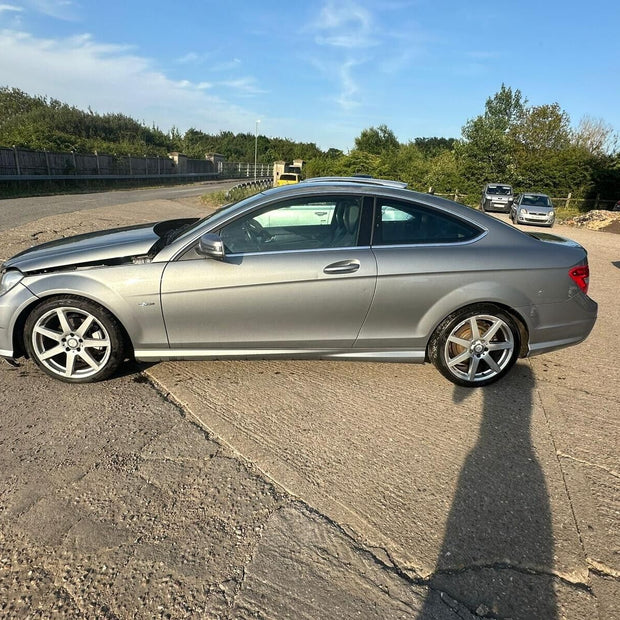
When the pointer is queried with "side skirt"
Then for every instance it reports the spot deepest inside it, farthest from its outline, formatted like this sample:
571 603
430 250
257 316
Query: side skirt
369 355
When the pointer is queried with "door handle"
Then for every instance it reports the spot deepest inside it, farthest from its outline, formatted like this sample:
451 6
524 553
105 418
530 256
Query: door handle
343 266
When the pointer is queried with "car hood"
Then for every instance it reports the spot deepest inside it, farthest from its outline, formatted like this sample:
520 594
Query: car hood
96 248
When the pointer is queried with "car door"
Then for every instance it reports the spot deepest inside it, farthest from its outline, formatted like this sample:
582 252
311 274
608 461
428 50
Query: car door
294 277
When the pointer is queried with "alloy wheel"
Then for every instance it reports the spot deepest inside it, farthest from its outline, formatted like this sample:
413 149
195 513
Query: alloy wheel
71 342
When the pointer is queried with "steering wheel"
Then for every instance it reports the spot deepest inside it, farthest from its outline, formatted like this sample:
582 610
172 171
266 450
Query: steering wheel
255 232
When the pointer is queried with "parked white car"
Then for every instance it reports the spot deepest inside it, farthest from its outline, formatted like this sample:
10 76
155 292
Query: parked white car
533 209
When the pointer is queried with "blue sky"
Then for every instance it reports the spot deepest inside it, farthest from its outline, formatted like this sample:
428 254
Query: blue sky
314 71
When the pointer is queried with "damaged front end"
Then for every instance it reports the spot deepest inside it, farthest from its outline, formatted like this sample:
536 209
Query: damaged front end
80 266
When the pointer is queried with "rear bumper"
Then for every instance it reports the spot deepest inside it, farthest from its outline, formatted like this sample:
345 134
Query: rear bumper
555 326
500 207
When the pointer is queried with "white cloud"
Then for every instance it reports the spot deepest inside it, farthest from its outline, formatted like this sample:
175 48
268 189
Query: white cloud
344 24
112 78
246 85
59 9
343 32
190 57
8 8
349 88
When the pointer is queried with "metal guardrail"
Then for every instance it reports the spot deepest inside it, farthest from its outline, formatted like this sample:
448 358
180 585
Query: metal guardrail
264 183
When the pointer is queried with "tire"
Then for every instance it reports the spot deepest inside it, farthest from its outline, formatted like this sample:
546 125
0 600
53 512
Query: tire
463 353
74 340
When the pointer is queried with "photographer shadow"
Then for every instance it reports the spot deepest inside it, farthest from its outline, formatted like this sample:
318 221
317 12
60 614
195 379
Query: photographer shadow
497 553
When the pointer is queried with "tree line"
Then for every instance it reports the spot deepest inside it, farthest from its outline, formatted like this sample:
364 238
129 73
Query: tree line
531 147
39 123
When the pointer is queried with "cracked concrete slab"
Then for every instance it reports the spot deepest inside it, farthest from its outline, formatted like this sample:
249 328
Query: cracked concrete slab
305 567
443 482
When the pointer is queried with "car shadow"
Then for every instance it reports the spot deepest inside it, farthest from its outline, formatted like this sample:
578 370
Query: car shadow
616 263
133 368
497 552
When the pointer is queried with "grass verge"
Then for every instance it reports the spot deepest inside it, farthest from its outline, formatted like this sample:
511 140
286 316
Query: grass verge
222 197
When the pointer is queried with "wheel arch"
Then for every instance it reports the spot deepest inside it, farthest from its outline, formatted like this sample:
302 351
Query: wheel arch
19 325
515 315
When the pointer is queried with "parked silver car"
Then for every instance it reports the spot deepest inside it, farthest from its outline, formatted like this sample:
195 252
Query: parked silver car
496 197
533 209
336 269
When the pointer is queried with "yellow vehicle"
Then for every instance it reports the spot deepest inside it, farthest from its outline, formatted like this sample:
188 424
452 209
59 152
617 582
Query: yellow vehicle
287 178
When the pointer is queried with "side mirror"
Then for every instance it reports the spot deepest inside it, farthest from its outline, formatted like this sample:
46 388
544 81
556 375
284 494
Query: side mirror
211 245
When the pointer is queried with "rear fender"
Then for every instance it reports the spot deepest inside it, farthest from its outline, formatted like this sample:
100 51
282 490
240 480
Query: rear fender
510 299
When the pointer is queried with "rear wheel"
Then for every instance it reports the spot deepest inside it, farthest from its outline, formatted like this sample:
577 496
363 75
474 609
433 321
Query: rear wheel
74 340
475 346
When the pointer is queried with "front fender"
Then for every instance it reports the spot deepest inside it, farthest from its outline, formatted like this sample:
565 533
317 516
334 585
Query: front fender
130 293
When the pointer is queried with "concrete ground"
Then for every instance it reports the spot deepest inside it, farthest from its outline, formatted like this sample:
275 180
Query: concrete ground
313 489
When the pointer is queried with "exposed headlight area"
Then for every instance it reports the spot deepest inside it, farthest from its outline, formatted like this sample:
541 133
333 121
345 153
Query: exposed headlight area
522 211
9 279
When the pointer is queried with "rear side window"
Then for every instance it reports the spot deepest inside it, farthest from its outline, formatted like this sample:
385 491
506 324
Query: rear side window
400 223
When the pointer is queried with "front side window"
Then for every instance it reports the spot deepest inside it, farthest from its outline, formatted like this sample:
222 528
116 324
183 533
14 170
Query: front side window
298 224
403 223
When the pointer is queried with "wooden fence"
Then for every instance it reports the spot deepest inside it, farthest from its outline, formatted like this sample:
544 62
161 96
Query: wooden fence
560 203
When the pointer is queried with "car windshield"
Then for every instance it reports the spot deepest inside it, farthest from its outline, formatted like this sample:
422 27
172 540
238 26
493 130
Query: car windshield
536 201
499 190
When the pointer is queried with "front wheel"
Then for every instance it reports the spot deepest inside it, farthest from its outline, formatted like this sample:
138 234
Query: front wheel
74 340
475 346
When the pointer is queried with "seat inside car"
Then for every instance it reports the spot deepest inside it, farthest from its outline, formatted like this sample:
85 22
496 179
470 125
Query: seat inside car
347 218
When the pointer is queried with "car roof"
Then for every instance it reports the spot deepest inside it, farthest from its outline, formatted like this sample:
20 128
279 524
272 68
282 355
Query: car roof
364 180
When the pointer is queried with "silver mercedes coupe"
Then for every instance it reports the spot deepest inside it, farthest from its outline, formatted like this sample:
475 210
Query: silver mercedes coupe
338 268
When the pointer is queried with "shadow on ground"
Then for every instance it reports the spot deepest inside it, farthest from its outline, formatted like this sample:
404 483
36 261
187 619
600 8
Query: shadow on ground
497 552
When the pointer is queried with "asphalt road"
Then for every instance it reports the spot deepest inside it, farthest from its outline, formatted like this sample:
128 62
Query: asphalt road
18 211
313 489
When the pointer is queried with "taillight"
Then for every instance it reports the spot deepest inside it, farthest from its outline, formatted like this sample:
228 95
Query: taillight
581 277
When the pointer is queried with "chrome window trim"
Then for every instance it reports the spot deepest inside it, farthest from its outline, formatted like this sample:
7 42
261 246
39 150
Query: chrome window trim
272 252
